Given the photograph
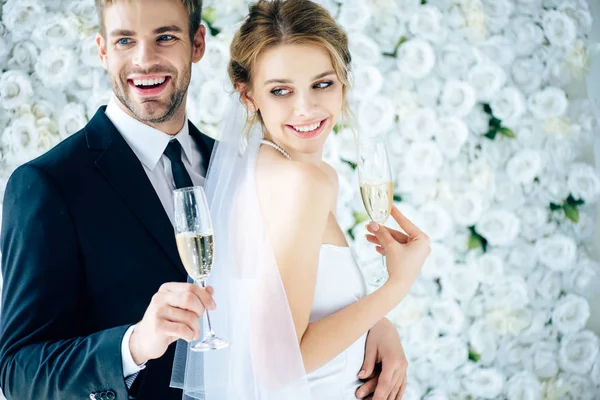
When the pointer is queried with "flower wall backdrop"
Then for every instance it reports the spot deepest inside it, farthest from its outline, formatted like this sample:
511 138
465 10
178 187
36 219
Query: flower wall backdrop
486 145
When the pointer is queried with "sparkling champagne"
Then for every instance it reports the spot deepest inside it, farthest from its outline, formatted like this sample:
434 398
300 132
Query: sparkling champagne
196 252
377 199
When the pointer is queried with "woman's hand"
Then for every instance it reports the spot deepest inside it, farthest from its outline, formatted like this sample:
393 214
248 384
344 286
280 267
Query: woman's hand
405 253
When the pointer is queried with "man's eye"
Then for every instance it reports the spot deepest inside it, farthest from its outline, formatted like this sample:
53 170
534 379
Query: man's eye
123 42
280 92
166 38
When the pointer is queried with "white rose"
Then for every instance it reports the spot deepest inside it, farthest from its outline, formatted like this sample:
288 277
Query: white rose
88 52
85 12
540 328
15 89
569 387
449 353
484 383
416 58
386 28
509 195
510 355
426 23
545 286
595 373
367 80
213 101
72 119
498 49
578 352
412 392
475 307
97 99
458 98
548 103
542 359
557 252
508 292
560 150
436 394
448 315
578 59
524 167
468 207
559 28
553 187
509 104
527 74
420 125
478 120
408 312
570 314
452 134
583 182
24 54
523 386
21 16
580 14
583 279
498 13
455 60
490 268
487 79
525 34
56 30
439 262
364 50
55 66
424 159
44 109
428 91
584 113
522 257
435 221
499 227
354 15
460 283
422 335
21 136
376 115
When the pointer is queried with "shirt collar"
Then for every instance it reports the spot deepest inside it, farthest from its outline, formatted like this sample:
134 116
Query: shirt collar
147 143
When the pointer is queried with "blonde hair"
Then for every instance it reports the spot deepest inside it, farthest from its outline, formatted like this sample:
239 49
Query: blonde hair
271 23
193 7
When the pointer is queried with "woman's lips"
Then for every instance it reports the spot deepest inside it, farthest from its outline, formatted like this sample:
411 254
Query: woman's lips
310 134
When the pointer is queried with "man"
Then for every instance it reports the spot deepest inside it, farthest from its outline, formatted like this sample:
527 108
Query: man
94 291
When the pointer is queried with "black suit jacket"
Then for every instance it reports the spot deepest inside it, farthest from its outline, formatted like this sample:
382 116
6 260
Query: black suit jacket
85 244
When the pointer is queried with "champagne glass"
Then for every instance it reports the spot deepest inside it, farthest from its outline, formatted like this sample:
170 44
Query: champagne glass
376 187
194 235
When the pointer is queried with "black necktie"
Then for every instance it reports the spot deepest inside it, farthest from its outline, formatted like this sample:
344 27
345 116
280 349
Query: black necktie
180 175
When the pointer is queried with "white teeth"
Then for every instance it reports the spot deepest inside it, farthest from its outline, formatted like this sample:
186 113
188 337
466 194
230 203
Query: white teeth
307 128
149 82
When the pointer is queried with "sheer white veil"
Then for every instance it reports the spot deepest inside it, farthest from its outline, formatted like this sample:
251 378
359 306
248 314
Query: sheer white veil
263 361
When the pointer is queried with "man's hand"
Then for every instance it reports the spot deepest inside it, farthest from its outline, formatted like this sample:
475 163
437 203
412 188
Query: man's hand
174 313
385 350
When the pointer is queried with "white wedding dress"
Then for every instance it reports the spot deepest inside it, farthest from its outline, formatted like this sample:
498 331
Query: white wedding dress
339 284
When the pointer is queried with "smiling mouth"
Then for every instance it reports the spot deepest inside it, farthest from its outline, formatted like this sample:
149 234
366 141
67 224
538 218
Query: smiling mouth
307 128
149 84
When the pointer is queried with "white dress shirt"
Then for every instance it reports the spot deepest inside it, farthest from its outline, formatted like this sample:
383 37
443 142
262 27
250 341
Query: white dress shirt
149 144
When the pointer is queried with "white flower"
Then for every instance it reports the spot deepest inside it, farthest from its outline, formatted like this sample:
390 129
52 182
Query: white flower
557 252
570 387
509 104
584 278
490 268
354 15
408 312
499 227
364 50
416 58
487 79
509 292
24 54
478 120
420 125
375 115
367 80
498 49
448 315
426 23
522 257
570 314
422 335
525 34
498 13
424 159
484 383
523 386
56 30
439 262
468 207
527 74
55 66
21 16
458 98
435 221
559 28
542 359
460 283
436 394
428 91
386 28
213 101
449 353
21 136
548 103
580 14
72 119
595 374
15 89
553 187
585 228
546 285
578 59
510 355
452 134
583 182
524 167
412 392
455 60
578 352
86 13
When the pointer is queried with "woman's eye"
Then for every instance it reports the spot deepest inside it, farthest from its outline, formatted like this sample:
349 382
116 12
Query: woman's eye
280 92
323 85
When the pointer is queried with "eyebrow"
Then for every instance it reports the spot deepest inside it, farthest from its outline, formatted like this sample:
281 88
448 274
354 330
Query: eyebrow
324 74
157 31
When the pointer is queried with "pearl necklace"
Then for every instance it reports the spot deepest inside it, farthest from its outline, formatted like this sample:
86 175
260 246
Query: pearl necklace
276 147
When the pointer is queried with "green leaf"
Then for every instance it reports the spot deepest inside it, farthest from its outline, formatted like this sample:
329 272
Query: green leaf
491 134
507 132
495 122
209 15
473 355
397 198
572 212
350 233
352 165
398 44
360 217
487 108
571 200
555 207
474 242
423 2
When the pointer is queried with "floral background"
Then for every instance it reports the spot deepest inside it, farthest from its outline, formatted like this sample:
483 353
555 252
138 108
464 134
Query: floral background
486 141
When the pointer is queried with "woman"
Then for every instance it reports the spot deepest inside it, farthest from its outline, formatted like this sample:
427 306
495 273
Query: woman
293 301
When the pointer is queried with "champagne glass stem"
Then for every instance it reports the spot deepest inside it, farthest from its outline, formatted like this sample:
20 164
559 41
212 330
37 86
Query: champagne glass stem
210 331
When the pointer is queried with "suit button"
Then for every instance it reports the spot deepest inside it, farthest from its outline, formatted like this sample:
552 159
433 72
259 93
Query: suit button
111 395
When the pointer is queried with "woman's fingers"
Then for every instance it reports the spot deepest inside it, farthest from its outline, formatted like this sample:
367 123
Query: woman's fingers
405 223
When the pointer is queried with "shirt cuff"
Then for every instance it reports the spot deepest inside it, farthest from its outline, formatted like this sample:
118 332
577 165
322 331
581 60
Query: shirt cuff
129 366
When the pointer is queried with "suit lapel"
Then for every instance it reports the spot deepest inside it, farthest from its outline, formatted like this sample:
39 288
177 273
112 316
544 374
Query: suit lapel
122 169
